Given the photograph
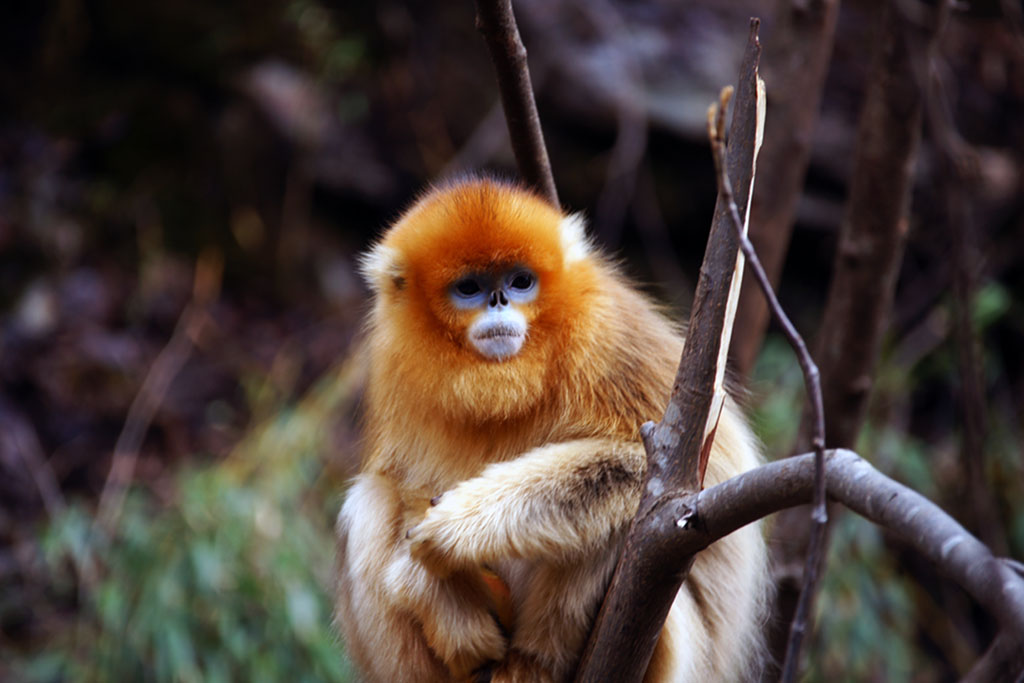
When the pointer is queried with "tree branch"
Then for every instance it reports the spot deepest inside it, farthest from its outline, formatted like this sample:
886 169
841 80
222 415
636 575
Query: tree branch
154 387
852 481
816 549
648 577
957 182
677 450
497 24
874 229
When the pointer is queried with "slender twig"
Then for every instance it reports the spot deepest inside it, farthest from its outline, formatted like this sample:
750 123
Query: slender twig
873 231
23 441
154 387
867 260
497 23
140 414
795 65
812 382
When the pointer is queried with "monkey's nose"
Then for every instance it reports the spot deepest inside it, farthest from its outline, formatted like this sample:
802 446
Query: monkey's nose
498 298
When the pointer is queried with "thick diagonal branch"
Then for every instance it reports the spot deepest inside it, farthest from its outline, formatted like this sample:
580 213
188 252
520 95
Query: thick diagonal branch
647 579
852 481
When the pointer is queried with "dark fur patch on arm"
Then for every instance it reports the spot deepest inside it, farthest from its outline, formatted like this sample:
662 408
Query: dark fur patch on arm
593 481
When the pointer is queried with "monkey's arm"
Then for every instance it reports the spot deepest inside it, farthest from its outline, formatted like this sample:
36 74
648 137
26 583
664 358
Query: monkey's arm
556 502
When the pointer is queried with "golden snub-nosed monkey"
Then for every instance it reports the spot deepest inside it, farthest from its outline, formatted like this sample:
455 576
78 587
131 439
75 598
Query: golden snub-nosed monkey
511 366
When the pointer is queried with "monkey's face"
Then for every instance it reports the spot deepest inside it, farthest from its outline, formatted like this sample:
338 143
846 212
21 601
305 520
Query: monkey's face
480 290
472 272
495 300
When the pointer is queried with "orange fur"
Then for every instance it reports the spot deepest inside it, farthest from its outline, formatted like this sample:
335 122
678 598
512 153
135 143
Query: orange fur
537 457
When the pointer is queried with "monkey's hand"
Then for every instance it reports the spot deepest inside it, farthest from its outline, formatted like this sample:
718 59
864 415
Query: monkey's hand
387 591
430 541
556 502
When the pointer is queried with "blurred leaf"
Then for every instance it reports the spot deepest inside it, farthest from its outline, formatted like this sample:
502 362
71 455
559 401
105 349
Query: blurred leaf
991 302
779 394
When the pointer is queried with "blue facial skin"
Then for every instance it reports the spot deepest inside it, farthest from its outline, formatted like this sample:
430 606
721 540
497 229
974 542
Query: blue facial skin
499 330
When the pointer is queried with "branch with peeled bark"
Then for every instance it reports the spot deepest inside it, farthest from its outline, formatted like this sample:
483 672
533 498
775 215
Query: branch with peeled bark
650 573
659 551
814 563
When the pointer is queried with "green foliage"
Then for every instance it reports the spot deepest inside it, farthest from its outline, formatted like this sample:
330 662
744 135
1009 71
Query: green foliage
226 582
868 622
778 395
990 304
865 613
874 620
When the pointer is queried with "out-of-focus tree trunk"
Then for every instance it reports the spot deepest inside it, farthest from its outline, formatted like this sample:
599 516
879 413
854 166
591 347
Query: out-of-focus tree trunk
867 262
797 54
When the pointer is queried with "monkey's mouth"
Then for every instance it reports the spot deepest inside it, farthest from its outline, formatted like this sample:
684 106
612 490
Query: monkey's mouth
498 341
498 331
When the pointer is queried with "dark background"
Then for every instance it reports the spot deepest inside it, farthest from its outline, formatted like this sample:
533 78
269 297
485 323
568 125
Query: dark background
261 146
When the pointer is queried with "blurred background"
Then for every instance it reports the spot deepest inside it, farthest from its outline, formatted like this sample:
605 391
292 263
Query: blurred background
184 188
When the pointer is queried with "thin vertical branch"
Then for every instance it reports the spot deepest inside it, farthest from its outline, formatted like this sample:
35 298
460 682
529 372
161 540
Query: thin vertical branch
18 436
874 229
497 24
958 177
812 382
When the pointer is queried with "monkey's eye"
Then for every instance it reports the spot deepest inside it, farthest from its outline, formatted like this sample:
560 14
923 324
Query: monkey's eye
467 292
467 287
522 281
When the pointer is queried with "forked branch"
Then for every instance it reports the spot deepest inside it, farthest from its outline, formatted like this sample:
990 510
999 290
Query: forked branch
649 574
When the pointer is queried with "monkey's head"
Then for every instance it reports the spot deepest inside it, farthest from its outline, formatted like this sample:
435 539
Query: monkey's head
477 288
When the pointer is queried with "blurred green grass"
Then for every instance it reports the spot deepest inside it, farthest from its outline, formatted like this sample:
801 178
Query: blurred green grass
228 580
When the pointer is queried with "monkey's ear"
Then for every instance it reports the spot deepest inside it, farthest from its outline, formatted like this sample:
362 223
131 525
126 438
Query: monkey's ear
382 268
576 245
